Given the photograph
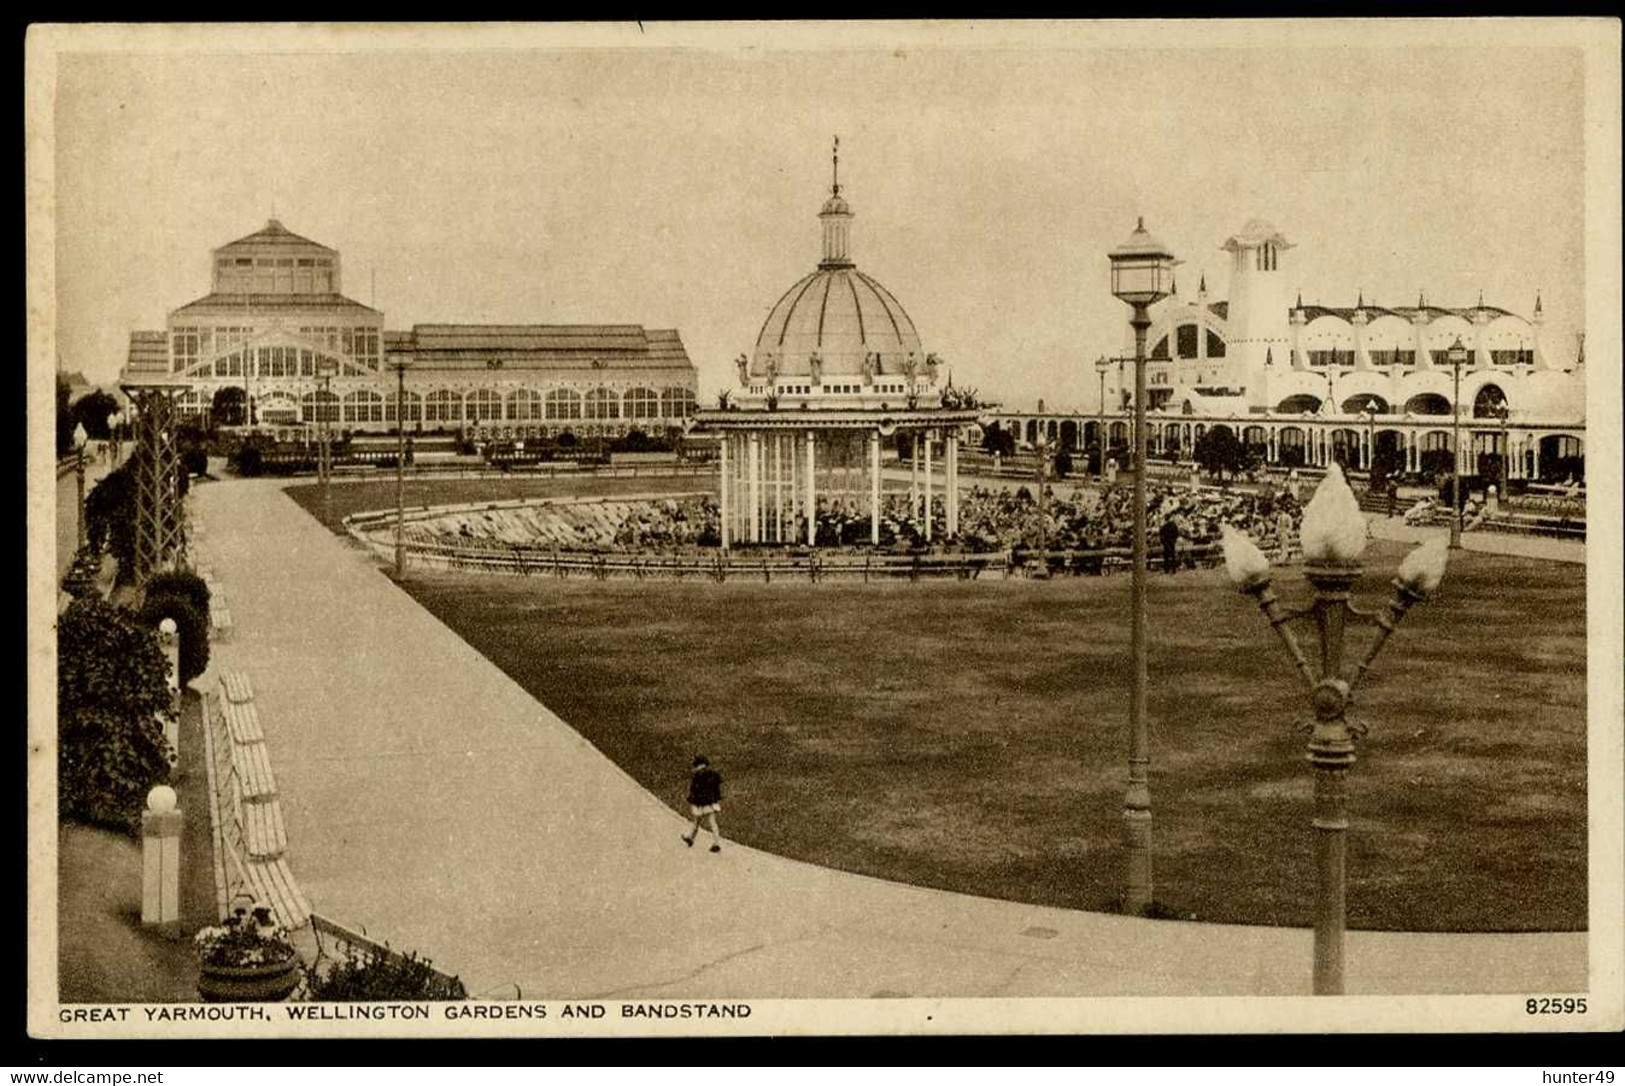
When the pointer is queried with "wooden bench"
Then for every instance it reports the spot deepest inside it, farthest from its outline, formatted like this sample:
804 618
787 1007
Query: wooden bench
251 765
242 722
236 686
265 837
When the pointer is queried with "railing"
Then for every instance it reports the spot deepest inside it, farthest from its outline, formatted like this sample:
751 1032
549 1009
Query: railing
349 944
815 565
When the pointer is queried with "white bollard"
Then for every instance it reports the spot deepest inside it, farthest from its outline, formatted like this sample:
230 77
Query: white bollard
161 858
1492 502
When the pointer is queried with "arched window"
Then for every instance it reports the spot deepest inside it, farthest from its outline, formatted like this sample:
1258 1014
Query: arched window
1215 345
484 405
363 405
414 407
443 406
1161 349
524 405
563 403
1187 340
641 403
677 403
1488 402
1427 403
319 406
1298 405
603 404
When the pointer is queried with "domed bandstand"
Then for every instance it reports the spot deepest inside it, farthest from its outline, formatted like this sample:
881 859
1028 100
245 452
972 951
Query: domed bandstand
838 367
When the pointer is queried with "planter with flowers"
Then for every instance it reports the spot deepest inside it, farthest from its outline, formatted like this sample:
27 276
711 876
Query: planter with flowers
246 958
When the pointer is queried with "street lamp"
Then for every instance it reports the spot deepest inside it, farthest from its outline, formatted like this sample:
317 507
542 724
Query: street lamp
1142 275
1333 537
1101 366
1456 355
1371 406
1041 447
1502 412
399 366
79 440
325 369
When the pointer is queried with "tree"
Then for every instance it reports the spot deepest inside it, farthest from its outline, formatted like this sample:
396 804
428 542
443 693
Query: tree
64 418
184 597
112 697
230 406
996 439
1218 451
91 412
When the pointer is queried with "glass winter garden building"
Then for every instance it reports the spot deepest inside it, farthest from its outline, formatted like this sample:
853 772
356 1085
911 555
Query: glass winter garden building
278 326
1308 384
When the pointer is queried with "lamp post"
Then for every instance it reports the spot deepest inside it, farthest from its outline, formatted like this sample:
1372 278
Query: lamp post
1041 448
399 366
1333 536
1371 406
1142 275
325 369
1101 365
1456 355
79 440
1502 412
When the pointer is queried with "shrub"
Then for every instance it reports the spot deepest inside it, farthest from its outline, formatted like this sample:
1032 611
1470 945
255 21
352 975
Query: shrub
189 586
248 460
191 626
112 690
362 977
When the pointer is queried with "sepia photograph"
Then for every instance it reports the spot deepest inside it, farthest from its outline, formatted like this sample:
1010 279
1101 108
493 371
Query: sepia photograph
824 528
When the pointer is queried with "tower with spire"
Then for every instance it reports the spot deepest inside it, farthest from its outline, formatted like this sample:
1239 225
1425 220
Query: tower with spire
836 217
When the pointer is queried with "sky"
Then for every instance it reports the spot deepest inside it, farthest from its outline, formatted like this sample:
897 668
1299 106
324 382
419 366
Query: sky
674 181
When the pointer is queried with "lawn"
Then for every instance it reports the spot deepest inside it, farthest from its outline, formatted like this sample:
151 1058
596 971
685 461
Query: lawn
971 735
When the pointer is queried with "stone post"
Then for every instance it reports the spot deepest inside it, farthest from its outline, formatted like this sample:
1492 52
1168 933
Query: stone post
161 858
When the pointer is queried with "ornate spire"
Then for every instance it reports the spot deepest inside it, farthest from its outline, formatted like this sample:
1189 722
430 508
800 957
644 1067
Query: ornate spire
1300 298
1360 304
1537 304
1173 285
1201 287
836 217
1481 299
1421 300
1269 356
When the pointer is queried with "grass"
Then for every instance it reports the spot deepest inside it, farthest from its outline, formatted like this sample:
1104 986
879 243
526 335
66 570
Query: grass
971 735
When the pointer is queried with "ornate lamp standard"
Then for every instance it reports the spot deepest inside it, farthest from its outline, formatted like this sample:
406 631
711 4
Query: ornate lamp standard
1370 414
80 438
1333 536
1041 448
1502 411
1142 275
1456 355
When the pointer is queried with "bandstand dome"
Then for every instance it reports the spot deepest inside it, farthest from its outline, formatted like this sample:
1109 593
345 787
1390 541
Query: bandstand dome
838 314
842 314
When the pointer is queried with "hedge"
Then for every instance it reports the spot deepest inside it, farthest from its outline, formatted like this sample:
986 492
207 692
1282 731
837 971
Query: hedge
112 693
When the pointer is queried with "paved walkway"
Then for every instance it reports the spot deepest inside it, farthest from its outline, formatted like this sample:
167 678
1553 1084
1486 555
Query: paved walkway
1521 546
433 801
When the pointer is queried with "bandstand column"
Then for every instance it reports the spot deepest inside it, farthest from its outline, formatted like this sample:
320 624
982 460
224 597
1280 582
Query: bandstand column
874 489
723 487
812 487
778 488
914 474
928 486
953 485
753 448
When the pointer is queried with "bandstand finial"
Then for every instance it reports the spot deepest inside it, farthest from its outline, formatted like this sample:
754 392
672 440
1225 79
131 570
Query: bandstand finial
835 168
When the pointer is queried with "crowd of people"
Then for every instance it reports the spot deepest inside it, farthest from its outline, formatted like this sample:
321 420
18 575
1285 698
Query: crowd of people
992 520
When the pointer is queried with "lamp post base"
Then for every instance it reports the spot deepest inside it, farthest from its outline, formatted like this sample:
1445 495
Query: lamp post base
1138 880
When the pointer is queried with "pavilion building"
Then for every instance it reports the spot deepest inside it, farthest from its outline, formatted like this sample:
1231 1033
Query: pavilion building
277 319
838 368
1309 383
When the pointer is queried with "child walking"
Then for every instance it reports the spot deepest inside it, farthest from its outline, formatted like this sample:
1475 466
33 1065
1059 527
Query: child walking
705 801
